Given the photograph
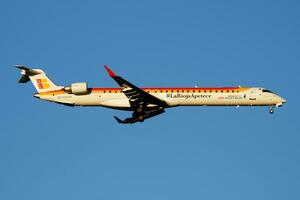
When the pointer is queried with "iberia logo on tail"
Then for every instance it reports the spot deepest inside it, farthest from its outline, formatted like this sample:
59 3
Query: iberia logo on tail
42 83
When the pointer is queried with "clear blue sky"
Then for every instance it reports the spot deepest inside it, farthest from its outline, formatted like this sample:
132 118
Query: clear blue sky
48 151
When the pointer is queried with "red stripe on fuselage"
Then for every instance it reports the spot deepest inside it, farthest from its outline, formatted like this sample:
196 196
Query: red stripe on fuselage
152 89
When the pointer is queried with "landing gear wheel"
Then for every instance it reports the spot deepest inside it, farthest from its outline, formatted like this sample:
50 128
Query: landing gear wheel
141 118
271 111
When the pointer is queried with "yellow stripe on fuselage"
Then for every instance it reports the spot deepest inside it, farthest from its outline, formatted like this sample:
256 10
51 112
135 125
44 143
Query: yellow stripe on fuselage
52 92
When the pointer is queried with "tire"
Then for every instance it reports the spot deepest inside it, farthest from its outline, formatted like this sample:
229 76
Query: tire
141 118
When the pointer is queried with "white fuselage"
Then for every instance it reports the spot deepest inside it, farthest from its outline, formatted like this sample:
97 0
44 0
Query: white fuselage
116 99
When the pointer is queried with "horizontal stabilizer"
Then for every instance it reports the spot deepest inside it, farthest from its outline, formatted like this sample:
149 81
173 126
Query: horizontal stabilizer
21 67
24 79
27 71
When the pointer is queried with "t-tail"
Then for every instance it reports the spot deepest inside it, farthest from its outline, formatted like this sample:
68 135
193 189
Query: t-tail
38 78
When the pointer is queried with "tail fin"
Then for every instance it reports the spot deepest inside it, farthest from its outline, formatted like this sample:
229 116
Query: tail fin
38 78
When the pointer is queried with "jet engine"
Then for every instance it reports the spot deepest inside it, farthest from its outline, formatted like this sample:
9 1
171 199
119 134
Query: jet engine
77 88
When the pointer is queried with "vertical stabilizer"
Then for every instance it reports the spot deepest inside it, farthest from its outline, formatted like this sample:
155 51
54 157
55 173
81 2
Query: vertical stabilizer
38 78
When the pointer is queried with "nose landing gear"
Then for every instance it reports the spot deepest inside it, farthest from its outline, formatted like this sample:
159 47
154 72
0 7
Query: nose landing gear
271 110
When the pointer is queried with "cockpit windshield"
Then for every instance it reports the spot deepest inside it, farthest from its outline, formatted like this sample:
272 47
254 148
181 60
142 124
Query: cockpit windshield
267 91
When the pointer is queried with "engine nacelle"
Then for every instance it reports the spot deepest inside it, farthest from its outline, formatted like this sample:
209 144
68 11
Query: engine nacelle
78 88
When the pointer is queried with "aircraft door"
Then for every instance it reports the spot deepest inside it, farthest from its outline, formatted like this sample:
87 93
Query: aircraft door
251 96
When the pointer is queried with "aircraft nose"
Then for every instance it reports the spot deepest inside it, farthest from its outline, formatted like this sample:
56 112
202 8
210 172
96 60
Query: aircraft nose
283 100
280 101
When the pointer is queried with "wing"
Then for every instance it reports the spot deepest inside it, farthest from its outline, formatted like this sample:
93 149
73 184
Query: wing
143 104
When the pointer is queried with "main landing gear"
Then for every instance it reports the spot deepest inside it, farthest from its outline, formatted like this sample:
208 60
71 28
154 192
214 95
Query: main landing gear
271 110
140 113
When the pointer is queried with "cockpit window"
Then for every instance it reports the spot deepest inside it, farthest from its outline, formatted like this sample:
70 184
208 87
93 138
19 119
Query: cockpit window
267 91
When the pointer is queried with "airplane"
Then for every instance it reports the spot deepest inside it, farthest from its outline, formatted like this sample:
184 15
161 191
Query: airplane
145 102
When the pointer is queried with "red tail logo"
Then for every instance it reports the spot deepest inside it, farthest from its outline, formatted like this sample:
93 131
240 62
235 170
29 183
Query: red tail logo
42 83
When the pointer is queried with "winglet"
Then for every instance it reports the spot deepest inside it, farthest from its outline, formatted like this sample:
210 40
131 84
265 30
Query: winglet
111 73
119 120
